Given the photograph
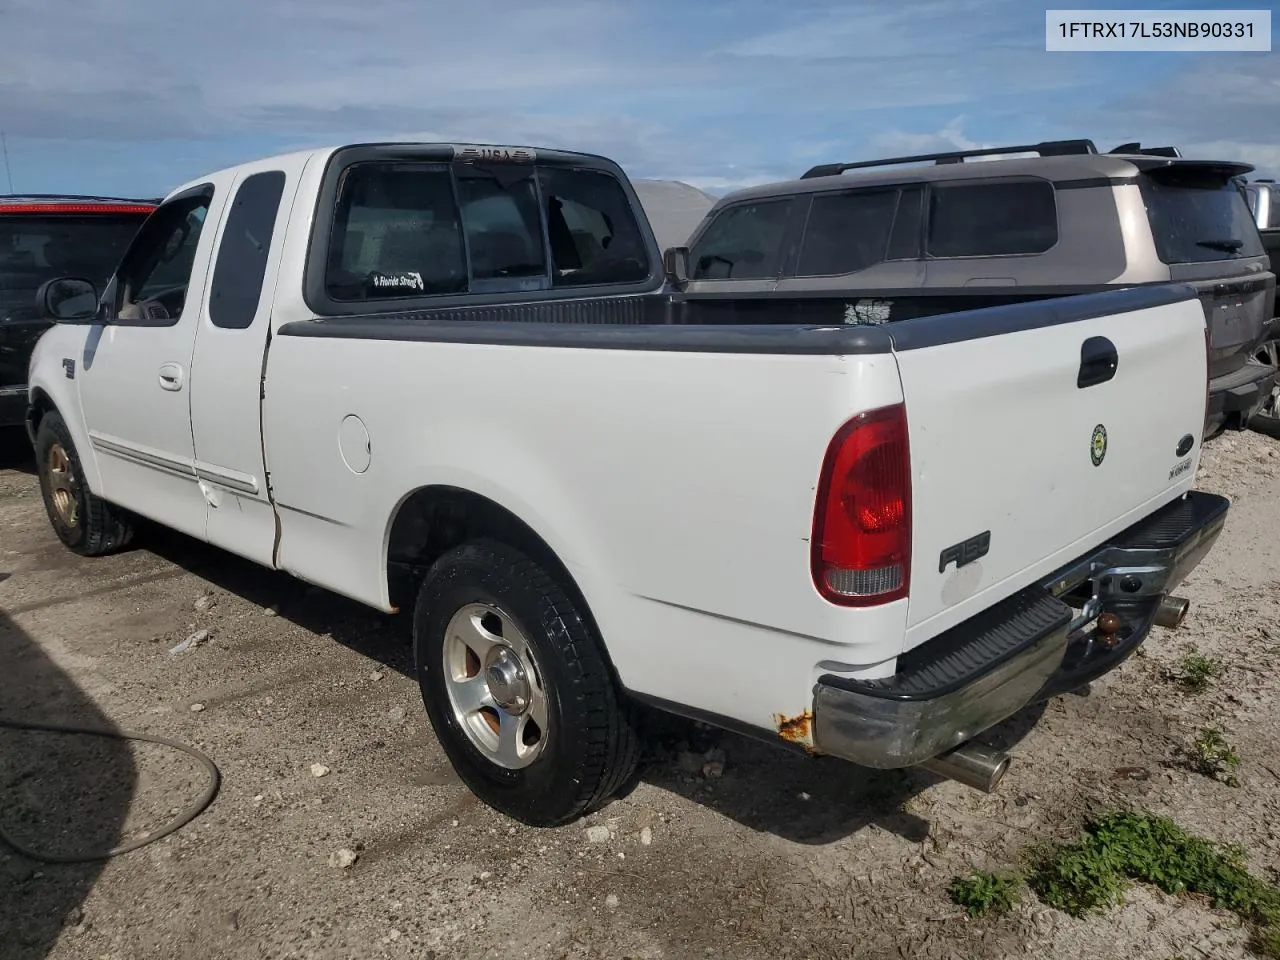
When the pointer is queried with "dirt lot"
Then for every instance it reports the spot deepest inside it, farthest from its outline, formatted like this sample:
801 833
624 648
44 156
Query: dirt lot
775 857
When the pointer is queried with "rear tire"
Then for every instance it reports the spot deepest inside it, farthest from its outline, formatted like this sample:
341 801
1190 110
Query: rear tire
517 686
85 523
1267 420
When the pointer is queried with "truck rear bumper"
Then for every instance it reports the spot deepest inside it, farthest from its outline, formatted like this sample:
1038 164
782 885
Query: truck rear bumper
1032 646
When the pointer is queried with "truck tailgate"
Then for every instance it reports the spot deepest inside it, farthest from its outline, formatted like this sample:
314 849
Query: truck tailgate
1029 447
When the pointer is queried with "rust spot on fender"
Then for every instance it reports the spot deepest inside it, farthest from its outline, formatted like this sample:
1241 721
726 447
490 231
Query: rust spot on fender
797 729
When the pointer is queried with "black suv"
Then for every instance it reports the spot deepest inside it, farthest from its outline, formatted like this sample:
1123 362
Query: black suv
47 236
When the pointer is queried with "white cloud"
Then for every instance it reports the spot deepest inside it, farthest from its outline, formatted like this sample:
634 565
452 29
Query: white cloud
877 31
904 143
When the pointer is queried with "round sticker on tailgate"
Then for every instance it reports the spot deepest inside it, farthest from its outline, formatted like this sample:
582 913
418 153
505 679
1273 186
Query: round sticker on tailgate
1098 446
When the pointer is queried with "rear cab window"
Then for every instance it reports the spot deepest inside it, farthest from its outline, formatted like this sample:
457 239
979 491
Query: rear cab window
1198 217
405 229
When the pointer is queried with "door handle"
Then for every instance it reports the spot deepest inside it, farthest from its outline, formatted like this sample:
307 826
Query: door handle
1098 362
171 376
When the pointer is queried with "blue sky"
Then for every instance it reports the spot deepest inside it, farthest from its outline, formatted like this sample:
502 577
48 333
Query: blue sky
135 96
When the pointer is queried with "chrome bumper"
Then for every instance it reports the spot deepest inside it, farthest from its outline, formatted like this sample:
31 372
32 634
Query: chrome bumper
1038 643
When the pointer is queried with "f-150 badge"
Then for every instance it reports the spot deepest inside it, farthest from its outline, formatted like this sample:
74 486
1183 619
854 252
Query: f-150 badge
1098 445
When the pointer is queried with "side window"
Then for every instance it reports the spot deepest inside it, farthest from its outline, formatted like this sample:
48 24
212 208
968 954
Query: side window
238 274
744 242
847 232
592 230
991 219
503 227
152 280
904 244
396 233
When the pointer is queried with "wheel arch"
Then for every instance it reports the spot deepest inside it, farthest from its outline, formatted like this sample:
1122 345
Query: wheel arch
432 519
40 404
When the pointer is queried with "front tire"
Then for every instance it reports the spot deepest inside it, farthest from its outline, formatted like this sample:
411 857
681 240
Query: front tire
516 684
85 523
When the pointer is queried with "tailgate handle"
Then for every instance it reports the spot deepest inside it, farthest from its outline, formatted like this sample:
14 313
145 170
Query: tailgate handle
1098 362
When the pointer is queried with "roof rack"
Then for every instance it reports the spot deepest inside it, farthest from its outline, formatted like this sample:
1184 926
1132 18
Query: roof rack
1047 148
1136 147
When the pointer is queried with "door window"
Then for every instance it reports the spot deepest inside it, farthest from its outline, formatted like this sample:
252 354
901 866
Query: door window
744 242
847 232
153 278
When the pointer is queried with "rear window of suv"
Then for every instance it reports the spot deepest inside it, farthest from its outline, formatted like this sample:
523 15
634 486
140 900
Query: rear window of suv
1197 218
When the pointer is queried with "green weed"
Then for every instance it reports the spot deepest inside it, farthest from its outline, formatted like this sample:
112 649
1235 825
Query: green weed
1212 756
981 893
1094 872
1198 671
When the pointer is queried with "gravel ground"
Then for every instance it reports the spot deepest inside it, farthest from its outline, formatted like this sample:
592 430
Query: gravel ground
765 856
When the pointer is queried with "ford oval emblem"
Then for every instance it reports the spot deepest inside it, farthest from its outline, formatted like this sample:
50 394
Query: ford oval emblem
1185 445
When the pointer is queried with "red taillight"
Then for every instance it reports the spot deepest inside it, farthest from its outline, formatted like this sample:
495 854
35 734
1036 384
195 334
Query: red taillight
103 208
861 546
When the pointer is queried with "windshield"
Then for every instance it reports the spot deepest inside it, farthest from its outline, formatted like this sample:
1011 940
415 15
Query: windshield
1197 217
35 248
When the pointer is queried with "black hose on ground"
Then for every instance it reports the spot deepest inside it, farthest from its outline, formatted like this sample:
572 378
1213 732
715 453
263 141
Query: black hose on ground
186 816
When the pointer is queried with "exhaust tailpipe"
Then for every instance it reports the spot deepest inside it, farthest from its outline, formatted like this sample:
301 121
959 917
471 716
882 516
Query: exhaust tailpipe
1172 611
973 764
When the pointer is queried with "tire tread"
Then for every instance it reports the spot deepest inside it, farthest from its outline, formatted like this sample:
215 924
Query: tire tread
611 741
106 527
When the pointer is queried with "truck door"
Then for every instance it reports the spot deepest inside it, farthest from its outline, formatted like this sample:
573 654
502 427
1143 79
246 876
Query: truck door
226 384
135 372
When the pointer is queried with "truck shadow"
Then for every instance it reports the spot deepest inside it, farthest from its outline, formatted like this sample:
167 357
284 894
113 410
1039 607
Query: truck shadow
59 794
767 788
808 800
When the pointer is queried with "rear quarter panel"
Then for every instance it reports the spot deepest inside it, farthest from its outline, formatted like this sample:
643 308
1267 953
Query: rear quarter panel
676 487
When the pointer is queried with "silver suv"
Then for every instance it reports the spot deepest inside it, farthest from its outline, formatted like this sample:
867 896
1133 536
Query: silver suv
857 243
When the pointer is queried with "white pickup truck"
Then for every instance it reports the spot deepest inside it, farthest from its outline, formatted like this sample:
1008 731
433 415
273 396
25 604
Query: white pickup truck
455 380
